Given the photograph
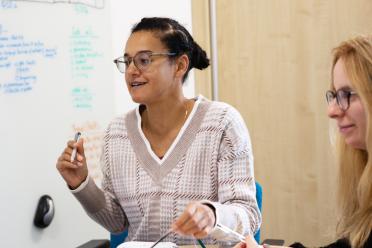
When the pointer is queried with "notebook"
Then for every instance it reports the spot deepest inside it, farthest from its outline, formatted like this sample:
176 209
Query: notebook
137 244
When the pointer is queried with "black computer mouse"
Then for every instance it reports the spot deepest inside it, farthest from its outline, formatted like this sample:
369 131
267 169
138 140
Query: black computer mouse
44 212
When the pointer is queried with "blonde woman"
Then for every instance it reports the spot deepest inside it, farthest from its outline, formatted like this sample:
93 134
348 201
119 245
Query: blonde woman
350 105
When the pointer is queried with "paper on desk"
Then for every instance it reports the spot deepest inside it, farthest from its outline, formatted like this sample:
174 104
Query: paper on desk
137 244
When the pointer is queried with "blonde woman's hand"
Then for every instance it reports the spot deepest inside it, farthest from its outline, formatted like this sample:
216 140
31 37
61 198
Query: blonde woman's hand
74 173
250 242
197 220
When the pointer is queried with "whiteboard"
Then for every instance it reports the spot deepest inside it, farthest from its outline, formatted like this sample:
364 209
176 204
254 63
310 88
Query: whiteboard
57 77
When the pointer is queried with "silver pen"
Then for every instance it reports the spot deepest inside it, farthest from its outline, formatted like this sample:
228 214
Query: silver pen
160 239
227 230
73 154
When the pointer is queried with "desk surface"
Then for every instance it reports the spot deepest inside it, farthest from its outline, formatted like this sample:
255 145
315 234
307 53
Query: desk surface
123 245
193 246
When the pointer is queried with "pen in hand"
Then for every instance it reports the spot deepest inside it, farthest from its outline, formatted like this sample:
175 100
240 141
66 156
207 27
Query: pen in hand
73 154
228 231
160 239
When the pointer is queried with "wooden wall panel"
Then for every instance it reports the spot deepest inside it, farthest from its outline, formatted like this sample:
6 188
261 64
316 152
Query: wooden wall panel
201 34
274 61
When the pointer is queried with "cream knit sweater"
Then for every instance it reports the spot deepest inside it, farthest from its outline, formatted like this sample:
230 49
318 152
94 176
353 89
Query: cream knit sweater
210 160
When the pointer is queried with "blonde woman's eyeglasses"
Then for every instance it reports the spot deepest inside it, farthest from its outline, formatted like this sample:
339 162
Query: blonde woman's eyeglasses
342 97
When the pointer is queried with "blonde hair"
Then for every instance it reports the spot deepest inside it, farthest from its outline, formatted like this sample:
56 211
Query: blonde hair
355 165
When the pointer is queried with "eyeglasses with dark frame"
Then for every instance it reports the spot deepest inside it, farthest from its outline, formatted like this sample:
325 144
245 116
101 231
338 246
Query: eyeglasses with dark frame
342 97
142 60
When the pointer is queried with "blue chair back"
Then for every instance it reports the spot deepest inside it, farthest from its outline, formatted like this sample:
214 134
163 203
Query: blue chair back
259 203
117 239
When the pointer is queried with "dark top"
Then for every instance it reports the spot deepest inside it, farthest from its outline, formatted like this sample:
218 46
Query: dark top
341 243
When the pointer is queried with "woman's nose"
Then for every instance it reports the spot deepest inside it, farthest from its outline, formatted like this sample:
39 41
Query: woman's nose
132 68
334 110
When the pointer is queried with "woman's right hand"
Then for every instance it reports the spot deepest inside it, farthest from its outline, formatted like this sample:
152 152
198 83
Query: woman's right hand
74 173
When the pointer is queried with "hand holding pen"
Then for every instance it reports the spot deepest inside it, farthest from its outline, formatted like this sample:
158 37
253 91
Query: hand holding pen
74 150
197 220
231 233
71 164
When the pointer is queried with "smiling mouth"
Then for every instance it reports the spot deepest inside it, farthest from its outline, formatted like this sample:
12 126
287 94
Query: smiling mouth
137 84
345 128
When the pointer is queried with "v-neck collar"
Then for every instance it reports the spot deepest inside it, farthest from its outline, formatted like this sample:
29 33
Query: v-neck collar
157 168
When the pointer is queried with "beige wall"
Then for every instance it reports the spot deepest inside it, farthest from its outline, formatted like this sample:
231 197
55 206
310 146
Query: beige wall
200 26
274 59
